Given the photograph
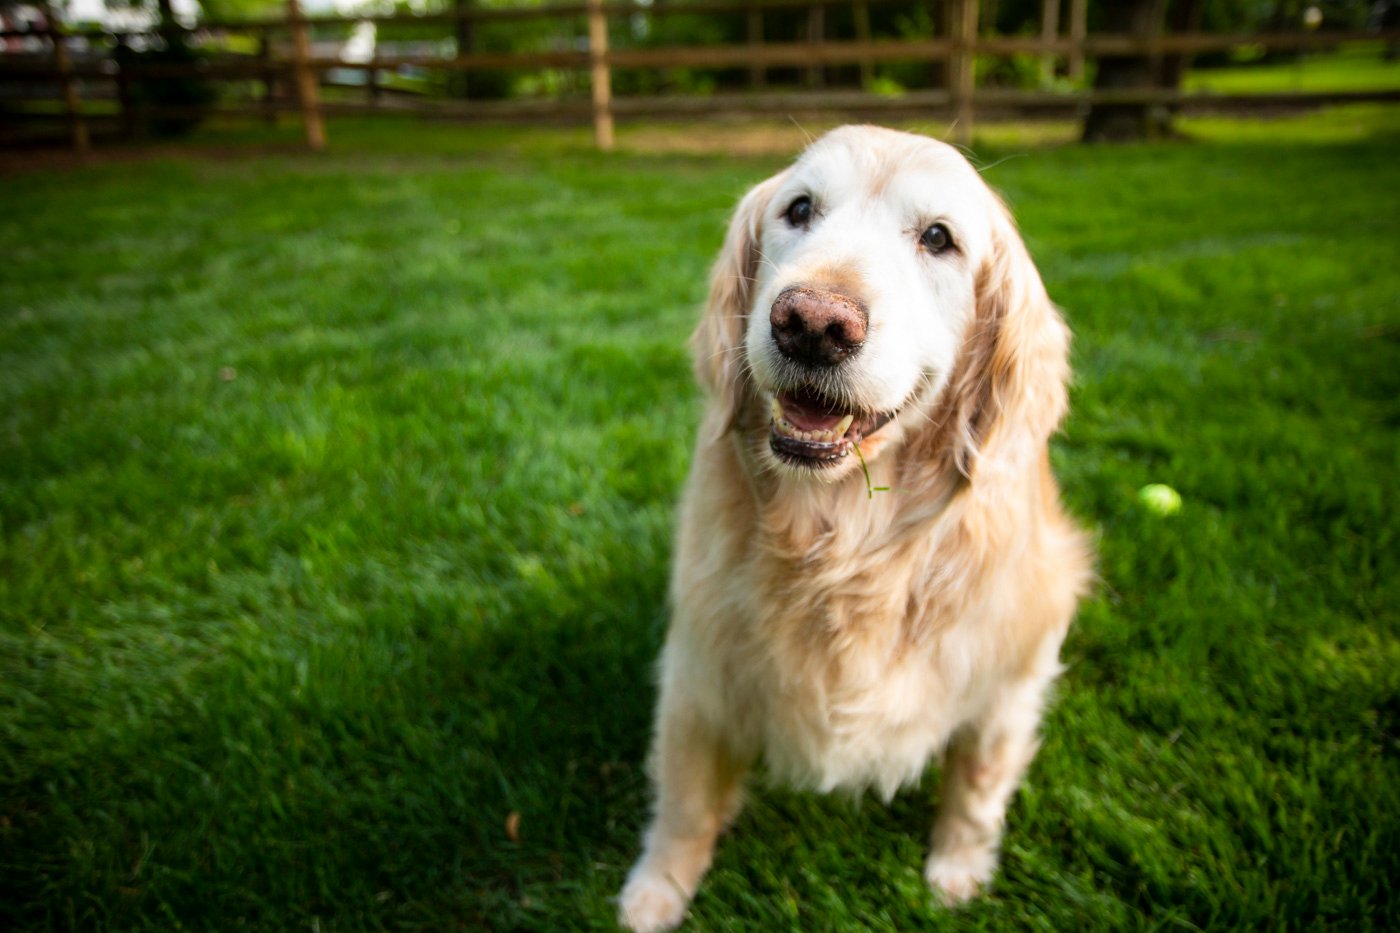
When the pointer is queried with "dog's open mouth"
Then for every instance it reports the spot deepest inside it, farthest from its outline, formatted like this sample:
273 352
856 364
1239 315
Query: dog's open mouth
811 430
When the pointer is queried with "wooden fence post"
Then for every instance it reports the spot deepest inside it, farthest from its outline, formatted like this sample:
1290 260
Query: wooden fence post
464 29
372 82
860 13
269 91
964 65
940 70
816 31
758 75
307 80
1078 30
1049 29
600 75
63 63
124 99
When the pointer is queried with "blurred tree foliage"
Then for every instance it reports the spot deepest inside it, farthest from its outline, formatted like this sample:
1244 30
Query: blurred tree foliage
914 19
208 9
188 93
241 9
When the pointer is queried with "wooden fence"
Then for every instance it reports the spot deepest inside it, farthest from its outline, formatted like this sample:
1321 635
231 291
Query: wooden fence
282 64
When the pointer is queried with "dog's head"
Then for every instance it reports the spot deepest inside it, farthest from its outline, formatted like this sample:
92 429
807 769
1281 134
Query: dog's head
877 294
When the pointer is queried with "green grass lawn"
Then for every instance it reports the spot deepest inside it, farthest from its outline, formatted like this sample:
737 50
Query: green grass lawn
1358 67
335 505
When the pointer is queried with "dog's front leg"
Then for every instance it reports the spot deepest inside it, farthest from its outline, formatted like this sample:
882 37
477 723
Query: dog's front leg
697 794
981 771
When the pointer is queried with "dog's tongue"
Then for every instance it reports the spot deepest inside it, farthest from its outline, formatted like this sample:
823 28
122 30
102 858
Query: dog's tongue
808 411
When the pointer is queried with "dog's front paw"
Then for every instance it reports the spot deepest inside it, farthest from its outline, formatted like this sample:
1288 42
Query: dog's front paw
651 903
957 878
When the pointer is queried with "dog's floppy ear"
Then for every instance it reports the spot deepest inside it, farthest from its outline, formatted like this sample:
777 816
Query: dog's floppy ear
717 340
1009 389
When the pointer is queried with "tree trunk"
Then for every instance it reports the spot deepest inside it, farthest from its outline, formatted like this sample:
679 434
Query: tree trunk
1049 29
1078 27
941 71
168 29
1184 16
1122 122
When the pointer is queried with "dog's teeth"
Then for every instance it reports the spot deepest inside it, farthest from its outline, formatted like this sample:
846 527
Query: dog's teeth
783 426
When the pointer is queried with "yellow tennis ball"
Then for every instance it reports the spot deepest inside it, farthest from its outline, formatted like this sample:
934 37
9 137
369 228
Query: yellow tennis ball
1160 499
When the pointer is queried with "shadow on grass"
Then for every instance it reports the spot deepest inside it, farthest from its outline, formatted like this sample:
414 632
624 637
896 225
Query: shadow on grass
360 774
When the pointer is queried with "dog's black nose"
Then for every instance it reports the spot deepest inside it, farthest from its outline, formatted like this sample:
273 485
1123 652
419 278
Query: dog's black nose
817 327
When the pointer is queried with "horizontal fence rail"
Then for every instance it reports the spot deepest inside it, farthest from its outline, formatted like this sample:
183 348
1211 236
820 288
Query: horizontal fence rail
80 68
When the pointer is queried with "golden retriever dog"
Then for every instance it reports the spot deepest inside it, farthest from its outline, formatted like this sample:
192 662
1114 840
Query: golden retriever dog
873 311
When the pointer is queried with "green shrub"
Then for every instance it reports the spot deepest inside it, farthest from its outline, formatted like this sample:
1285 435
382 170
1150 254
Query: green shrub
160 91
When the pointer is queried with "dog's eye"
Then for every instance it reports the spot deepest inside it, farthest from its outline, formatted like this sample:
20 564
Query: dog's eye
799 212
936 239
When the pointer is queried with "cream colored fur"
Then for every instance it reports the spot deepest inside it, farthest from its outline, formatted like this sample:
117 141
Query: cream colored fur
846 640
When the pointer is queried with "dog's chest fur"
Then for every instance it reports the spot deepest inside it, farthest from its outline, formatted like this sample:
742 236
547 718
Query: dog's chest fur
844 636
864 670
865 715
